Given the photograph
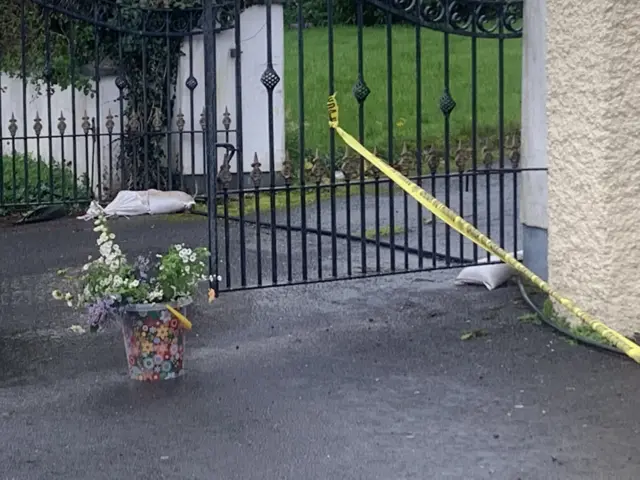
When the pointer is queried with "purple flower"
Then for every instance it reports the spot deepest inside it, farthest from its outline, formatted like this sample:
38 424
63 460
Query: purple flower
102 313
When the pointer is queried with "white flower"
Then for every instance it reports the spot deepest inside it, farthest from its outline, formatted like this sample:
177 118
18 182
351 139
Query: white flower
68 296
178 247
134 283
192 257
69 303
86 266
57 294
187 269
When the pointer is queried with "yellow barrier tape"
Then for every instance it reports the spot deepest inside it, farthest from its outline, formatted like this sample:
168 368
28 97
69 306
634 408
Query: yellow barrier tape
463 227
181 318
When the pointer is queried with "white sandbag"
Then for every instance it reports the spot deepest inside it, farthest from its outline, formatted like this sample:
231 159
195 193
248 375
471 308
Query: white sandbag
129 203
169 202
491 276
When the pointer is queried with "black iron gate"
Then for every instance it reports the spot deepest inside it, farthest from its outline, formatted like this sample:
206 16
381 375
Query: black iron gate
228 98
325 215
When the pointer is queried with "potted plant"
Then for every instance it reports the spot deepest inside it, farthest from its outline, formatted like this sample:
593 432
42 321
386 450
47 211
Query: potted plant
148 298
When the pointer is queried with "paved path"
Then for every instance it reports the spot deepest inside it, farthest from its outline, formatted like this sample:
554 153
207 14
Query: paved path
348 380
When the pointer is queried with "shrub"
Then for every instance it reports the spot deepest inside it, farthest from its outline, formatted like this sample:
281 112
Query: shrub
56 182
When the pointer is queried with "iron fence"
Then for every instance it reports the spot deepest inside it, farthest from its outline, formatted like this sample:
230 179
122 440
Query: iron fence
151 98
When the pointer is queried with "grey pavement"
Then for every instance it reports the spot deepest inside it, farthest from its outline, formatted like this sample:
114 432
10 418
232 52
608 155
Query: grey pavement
360 379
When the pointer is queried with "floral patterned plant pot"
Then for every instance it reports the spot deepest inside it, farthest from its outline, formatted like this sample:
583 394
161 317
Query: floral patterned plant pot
154 342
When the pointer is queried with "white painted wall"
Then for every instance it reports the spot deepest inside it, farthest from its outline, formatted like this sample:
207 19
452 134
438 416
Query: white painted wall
254 95
13 104
254 102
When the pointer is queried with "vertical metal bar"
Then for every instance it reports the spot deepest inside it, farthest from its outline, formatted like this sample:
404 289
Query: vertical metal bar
23 69
434 225
474 129
86 128
319 225
447 150
74 121
210 135
110 143
461 201
48 68
14 171
332 146
363 206
97 143
168 113
192 116
405 211
227 251
2 159
288 213
181 156
419 134
120 83
61 129
239 141
501 125
39 161
301 145
390 123
144 124
256 197
377 220
515 210
488 194
272 166
348 200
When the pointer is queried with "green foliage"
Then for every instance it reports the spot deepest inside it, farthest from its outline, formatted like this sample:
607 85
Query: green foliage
42 180
180 270
55 51
582 330
44 46
344 12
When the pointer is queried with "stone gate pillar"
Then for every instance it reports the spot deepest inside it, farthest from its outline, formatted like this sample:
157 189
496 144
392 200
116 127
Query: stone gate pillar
533 193
593 152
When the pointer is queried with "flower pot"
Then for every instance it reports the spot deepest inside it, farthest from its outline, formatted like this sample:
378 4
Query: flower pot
154 341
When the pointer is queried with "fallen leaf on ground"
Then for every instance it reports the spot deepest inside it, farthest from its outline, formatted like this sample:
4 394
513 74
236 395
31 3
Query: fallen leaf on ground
473 334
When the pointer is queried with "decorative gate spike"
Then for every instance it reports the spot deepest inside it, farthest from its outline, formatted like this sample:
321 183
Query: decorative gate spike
109 124
256 173
37 125
287 168
350 164
224 175
13 125
226 119
62 124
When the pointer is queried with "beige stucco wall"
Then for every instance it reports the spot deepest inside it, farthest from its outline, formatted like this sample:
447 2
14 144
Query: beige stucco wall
593 114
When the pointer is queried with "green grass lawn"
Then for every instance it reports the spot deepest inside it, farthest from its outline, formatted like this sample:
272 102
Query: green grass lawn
315 82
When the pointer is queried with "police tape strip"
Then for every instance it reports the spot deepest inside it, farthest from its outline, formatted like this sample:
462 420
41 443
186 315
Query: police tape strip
463 227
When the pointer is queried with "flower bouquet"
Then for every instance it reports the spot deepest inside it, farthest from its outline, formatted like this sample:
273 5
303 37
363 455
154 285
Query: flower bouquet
148 299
